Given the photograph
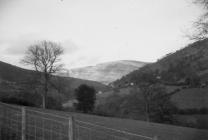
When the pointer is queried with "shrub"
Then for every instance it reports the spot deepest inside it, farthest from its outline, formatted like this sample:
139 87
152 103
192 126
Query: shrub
33 100
86 97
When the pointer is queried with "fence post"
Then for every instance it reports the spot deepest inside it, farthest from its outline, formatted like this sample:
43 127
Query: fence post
1 119
71 128
23 123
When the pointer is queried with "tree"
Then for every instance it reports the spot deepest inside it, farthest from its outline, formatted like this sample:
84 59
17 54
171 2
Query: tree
45 58
86 97
201 25
156 103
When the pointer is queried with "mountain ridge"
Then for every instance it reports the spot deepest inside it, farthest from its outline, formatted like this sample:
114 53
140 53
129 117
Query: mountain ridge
106 72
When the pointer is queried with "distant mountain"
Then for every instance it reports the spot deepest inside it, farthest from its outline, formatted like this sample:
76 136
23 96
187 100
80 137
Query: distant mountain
15 80
106 72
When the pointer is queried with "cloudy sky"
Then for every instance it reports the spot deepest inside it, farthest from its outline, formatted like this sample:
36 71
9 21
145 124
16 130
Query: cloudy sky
94 31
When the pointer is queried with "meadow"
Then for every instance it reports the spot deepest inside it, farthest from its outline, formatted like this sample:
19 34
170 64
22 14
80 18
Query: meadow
46 124
116 126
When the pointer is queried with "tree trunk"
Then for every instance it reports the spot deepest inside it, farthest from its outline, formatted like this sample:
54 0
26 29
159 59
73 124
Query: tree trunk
44 101
45 90
147 111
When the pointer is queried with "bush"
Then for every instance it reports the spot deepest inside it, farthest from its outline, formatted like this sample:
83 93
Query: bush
14 100
86 97
53 103
192 111
33 100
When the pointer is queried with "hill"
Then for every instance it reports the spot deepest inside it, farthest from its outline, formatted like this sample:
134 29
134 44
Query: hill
189 62
15 80
106 72
13 73
185 69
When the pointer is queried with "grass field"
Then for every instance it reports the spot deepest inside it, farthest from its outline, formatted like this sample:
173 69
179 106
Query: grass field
164 132
191 98
113 126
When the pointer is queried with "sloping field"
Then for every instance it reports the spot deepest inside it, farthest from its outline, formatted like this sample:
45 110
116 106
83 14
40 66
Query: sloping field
191 98
164 132
90 127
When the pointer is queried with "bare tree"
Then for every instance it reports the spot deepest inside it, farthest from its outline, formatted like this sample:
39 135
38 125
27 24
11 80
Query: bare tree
204 3
45 58
200 31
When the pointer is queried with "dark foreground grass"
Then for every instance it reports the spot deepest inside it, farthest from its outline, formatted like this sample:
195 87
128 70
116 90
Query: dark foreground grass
164 132
106 127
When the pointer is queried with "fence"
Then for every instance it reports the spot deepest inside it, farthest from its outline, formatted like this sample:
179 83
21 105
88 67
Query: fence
22 123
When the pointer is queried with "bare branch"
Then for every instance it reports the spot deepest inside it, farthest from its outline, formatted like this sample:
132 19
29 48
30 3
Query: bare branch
203 3
200 31
45 58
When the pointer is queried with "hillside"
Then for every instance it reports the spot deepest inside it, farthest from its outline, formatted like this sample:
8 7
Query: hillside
13 73
191 61
15 80
191 98
106 72
185 69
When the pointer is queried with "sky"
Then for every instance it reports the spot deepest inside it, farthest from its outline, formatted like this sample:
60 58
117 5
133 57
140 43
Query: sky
96 31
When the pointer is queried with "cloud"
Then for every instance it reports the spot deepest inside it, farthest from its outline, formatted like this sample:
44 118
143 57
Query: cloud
69 46
5 3
12 49
94 31
18 46
80 58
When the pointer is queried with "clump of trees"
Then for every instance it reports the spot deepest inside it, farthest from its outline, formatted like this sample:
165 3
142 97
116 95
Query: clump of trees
85 95
192 111
44 57
115 106
148 103
32 99
157 104
180 73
